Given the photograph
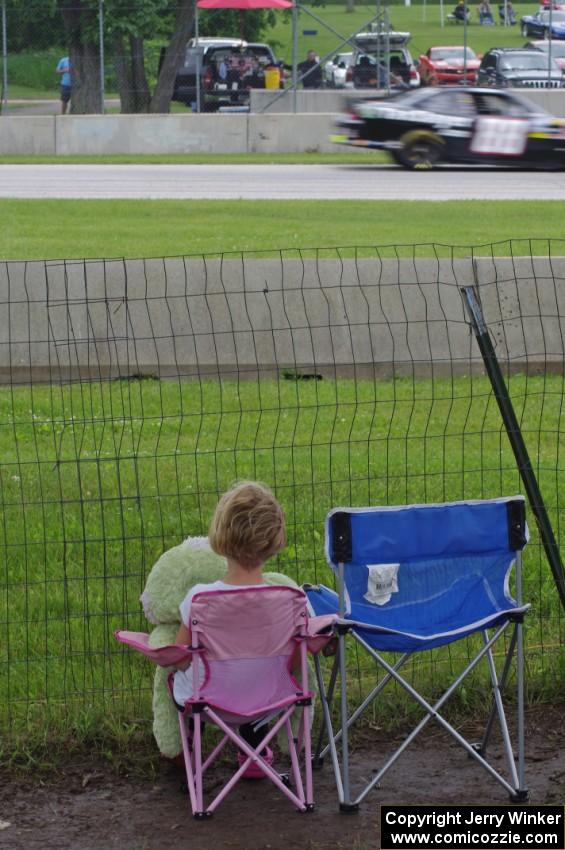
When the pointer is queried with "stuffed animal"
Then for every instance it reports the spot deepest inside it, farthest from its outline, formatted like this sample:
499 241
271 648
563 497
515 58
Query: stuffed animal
170 579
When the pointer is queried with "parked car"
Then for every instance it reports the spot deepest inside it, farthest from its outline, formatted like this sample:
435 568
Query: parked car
373 50
448 66
539 26
557 50
335 70
230 67
510 66
424 127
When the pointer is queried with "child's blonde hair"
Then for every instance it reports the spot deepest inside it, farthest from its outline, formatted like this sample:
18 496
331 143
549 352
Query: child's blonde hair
248 524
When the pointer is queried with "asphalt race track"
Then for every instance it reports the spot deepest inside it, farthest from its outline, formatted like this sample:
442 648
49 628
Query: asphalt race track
281 182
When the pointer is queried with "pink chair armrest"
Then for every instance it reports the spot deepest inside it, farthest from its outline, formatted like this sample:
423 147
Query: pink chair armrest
320 632
164 656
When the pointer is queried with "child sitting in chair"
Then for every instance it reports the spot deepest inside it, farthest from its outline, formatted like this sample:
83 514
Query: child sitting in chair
248 528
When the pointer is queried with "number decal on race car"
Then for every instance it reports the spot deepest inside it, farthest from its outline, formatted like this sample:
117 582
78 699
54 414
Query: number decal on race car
501 136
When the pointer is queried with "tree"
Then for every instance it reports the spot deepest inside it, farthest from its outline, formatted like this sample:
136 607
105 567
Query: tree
127 26
161 100
33 24
81 21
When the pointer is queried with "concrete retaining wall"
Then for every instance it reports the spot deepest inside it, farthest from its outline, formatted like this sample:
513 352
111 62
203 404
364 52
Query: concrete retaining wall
247 316
151 134
52 135
261 132
26 135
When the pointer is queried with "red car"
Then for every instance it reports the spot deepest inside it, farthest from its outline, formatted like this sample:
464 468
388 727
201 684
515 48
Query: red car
442 66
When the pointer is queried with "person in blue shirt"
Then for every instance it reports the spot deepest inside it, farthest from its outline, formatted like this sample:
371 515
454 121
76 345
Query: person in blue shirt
64 69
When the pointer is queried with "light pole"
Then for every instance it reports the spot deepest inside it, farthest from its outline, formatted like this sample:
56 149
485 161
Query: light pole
101 39
4 103
197 56
294 55
549 37
465 16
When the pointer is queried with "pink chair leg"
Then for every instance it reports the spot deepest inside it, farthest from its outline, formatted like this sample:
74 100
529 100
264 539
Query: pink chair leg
187 762
253 754
306 720
197 748
294 762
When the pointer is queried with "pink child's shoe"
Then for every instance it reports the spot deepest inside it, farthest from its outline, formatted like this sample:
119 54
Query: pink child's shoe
253 771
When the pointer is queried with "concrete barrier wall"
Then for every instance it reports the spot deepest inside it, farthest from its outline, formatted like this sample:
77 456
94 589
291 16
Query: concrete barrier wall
335 101
307 101
247 316
258 131
289 133
27 135
162 134
151 134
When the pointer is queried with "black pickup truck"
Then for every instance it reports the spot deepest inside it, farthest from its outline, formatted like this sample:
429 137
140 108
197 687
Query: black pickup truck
229 68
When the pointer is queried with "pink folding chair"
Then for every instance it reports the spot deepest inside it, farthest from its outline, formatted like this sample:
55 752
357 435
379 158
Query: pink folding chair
255 636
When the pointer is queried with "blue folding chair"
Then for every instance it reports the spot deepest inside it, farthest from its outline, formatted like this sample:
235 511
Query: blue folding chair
416 577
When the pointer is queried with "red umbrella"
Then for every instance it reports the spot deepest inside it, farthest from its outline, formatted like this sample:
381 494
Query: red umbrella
244 4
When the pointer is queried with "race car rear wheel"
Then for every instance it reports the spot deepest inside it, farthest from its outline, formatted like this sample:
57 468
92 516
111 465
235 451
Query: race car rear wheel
420 150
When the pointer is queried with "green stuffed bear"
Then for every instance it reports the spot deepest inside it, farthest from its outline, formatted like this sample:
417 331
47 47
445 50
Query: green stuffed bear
176 571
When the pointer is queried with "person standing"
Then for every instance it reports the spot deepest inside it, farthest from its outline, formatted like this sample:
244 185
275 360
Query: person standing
64 69
310 71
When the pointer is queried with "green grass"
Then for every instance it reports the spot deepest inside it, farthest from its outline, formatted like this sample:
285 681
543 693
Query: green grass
77 229
98 479
22 92
34 70
32 73
366 157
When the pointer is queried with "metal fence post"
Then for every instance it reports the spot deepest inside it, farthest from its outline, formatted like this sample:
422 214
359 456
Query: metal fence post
294 54
4 101
101 38
198 57
515 437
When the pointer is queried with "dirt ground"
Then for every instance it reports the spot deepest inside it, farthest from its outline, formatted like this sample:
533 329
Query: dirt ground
87 806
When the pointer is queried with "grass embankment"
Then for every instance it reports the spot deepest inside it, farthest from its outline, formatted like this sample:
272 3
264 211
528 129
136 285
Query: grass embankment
99 479
51 229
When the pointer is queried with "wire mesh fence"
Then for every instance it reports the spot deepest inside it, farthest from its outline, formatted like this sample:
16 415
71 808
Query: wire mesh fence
133 392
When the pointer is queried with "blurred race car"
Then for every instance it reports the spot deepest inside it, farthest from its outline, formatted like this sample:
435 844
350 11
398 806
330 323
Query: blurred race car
542 23
448 66
425 127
